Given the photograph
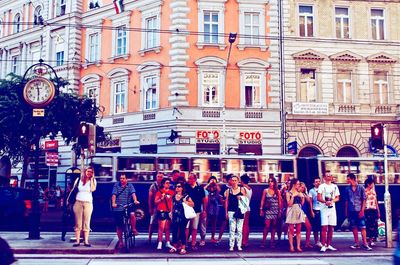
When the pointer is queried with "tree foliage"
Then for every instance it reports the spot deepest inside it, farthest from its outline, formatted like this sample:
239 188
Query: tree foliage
18 129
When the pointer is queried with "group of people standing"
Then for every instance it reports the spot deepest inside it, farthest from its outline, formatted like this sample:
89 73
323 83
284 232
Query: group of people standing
286 209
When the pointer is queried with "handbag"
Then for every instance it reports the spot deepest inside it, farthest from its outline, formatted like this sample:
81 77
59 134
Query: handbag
71 199
238 214
189 211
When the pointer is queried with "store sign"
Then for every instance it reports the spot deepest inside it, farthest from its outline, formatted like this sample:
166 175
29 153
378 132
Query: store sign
310 108
247 137
148 139
110 145
52 159
207 136
51 145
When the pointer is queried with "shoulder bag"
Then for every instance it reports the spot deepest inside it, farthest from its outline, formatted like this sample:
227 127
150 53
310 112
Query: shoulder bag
189 211
71 199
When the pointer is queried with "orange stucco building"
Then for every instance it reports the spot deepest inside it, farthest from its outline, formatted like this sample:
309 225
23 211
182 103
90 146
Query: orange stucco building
157 66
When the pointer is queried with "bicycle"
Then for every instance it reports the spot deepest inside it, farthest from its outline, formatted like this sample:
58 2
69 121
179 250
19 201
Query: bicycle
129 236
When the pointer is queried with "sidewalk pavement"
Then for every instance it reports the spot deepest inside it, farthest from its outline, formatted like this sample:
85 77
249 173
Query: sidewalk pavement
104 244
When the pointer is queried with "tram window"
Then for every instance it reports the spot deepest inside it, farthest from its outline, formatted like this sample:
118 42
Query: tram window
168 164
206 168
102 167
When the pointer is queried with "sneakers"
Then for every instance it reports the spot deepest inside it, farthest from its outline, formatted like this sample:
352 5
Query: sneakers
168 245
355 246
202 243
231 249
372 244
159 246
366 247
240 248
331 248
323 249
319 245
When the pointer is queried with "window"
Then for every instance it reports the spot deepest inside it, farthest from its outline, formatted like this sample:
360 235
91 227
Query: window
252 28
342 22
37 16
121 41
1 28
61 7
17 23
344 86
93 47
380 92
119 97
210 89
308 88
151 32
377 24
306 23
59 58
92 94
15 64
35 56
252 90
150 92
94 4
210 27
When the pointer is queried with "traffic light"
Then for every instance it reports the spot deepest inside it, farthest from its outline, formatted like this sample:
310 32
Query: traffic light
173 136
83 135
377 141
100 136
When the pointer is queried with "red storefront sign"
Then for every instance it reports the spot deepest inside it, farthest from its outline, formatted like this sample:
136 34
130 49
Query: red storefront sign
52 159
207 136
51 145
246 137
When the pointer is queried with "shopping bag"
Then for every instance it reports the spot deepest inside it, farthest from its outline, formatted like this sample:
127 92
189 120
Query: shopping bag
345 225
381 228
189 211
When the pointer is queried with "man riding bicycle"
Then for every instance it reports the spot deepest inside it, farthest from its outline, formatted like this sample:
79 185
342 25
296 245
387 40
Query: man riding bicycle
122 194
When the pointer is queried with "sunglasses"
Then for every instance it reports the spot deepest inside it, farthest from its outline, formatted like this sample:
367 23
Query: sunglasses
179 186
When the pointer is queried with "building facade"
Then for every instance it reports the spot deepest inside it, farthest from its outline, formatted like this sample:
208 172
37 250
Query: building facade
158 66
342 75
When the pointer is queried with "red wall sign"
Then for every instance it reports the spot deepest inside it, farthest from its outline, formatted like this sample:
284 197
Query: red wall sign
207 136
51 145
250 137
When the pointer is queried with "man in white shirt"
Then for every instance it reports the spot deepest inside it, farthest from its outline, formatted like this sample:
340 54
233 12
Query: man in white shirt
328 195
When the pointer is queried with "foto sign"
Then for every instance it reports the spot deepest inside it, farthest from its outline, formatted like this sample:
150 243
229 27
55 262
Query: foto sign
247 137
207 136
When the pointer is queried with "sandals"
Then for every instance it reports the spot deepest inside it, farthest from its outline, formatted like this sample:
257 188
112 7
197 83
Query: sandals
172 250
76 244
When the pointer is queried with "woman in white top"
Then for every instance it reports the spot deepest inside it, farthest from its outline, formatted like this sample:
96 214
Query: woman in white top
245 179
83 206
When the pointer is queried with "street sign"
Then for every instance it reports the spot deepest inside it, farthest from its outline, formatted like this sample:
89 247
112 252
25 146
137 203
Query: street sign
38 112
292 148
51 145
52 159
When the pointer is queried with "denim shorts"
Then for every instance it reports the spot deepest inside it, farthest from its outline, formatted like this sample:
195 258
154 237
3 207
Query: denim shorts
355 221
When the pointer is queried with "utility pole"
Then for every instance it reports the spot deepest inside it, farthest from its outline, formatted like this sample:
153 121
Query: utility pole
388 201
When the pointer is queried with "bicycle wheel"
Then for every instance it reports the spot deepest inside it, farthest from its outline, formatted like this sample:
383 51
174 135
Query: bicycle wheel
127 232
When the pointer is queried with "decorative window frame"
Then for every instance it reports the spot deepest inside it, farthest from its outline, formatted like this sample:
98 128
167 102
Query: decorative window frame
99 2
145 70
382 62
91 31
92 81
216 6
1 29
119 20
58 36
215 65
346 61
309 59
245 7
253 66
148 11
37 23
118 75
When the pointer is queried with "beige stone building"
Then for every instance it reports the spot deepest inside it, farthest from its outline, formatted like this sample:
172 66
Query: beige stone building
342 75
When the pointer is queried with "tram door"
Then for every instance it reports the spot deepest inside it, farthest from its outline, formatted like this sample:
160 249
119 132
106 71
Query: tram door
307 165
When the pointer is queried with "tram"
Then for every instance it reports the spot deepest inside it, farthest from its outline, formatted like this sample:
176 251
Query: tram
141 171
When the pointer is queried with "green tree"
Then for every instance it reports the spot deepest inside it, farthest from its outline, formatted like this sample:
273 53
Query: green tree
18 129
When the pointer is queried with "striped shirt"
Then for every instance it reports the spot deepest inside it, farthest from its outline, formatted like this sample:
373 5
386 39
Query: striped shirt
125 195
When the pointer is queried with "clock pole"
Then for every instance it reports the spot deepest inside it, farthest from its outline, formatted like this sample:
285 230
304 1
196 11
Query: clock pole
36 73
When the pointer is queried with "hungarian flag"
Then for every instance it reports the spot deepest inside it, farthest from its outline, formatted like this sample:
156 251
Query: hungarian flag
119 6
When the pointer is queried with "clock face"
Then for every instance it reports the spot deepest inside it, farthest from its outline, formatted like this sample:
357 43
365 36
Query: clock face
39 92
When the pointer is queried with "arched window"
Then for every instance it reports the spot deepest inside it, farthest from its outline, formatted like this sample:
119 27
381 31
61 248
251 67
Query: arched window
17 23
347 151
37 16
309 151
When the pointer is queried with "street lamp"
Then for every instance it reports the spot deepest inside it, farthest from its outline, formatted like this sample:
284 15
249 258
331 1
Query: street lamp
231 39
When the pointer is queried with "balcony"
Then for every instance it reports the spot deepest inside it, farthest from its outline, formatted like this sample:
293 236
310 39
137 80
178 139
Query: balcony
346 108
